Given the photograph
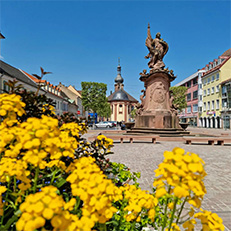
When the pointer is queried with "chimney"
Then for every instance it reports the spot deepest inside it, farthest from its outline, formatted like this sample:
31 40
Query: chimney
1 37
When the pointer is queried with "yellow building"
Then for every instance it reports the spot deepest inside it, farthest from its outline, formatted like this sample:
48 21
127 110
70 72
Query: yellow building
216 93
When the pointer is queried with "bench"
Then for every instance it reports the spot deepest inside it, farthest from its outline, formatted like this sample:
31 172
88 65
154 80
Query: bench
131 138
208 140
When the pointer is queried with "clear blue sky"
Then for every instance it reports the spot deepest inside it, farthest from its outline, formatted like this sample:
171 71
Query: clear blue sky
82 40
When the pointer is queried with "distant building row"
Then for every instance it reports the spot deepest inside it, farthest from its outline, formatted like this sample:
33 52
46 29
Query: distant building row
67 99
209 94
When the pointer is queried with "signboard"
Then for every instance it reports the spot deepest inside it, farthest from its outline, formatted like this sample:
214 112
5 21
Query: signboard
78 112
211 112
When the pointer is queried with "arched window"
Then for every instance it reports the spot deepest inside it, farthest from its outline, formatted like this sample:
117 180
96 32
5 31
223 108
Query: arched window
120 108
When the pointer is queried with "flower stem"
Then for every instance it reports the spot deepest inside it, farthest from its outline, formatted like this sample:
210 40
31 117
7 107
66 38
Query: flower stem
165 211
102 227
181 209
36 178
173 212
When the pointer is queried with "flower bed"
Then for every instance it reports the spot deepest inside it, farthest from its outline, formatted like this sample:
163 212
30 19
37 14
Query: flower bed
52 179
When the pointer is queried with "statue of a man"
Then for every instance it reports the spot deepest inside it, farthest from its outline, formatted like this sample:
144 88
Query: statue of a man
157 49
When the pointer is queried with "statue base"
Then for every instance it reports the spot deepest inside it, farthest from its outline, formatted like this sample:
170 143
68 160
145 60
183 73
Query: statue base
156 110
159 119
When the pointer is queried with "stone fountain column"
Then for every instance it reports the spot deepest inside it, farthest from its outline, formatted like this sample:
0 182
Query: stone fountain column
156 110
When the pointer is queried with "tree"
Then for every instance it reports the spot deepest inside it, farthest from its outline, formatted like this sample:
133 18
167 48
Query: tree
179 97
94 97
105 111
133 113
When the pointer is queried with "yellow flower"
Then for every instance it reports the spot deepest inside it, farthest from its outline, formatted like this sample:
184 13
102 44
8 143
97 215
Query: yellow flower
160 192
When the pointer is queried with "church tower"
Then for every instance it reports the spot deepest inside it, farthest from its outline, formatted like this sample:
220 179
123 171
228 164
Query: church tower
120 101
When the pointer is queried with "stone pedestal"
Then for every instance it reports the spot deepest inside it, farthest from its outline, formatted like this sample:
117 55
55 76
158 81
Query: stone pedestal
156 110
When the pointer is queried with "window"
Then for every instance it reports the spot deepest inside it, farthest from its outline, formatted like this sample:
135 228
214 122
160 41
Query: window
195 107
194 81
217 88
204 92
188 84
212 90
120 108
200 97
204 106
208 91
205 81
208 80
213 77
112 109
217 104
224 103
200 86
188 96
223 90
217 77
189 109
195 95
6 88
212 108
208 106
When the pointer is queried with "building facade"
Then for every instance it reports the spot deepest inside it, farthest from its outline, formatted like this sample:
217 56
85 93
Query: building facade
30 83
216 93
193 97
120 101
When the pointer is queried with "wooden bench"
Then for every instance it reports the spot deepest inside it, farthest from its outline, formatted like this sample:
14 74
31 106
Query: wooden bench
131 138
208 140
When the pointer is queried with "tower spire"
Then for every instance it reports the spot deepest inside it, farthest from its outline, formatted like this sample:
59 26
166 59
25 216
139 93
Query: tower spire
119 80
119 68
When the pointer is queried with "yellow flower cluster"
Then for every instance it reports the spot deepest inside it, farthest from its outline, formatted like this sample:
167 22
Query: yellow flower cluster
48 107
2 190
10 107
97 193
12 167
184 174
210 221
37 138
43 206
140 202
74 129
102 140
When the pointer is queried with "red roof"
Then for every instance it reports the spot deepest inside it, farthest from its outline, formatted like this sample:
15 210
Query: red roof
215 68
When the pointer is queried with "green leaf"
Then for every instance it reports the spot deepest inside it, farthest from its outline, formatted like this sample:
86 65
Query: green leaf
60 182
11 221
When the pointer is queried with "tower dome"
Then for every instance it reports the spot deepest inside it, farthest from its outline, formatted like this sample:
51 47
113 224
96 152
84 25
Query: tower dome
120 95
119 78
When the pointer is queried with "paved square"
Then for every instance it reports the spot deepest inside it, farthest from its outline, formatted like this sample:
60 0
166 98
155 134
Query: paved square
145 157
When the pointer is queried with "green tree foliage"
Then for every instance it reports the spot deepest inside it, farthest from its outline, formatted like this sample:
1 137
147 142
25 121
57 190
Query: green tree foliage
94 97
133 113
105 111
179 94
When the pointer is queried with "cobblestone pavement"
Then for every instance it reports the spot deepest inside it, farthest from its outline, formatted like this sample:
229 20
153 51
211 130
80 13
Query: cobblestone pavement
145 157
